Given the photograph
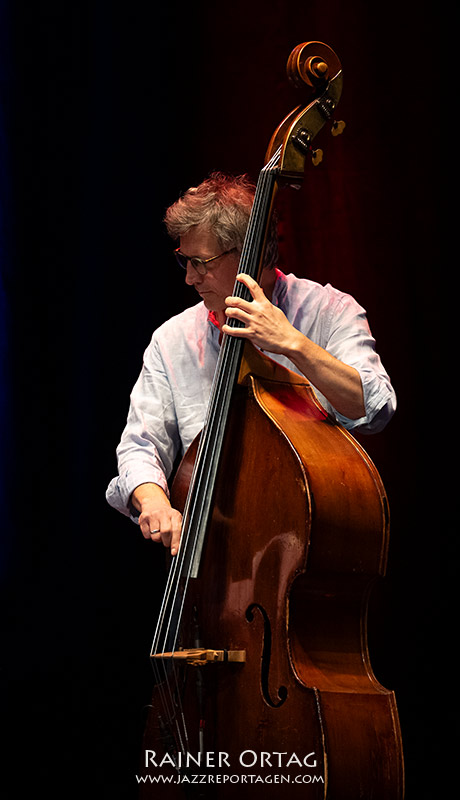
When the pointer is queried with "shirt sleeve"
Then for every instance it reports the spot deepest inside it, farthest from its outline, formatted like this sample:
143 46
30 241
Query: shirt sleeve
350 340
150 440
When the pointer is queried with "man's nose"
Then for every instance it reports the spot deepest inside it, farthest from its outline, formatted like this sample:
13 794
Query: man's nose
191 275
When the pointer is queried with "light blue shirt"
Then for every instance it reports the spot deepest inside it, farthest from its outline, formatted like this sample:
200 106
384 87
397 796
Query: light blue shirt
169 400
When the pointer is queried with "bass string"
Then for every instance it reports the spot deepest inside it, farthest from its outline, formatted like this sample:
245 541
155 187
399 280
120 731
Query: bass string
170 698
229 358
217 408
211 439
208 454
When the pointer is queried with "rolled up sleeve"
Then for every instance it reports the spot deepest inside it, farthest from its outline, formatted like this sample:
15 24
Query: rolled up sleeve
150 441
350 340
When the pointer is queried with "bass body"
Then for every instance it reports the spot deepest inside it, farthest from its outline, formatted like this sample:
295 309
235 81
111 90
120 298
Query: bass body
272 673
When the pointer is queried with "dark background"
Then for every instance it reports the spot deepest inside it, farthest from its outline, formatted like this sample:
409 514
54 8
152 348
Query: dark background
107 114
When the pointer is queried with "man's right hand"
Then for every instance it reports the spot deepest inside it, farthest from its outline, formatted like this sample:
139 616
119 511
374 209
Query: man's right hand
157 519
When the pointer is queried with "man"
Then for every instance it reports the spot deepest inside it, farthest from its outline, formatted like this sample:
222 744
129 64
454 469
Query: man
314 330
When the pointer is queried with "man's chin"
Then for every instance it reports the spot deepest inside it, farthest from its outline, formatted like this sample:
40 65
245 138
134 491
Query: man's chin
211 302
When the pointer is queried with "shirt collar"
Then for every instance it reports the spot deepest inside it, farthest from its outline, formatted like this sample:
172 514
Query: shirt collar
212 318
279 289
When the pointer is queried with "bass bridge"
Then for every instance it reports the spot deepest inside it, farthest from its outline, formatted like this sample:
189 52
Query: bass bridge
199 656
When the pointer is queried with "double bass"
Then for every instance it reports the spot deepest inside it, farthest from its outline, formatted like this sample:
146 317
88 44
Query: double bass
263 681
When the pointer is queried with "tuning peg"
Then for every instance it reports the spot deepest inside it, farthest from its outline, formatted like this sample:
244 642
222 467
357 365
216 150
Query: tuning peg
337 127
317 157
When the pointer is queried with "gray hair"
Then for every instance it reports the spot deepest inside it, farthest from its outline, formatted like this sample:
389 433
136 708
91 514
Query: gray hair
223 204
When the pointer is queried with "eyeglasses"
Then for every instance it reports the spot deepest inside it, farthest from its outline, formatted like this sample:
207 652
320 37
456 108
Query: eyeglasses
198 263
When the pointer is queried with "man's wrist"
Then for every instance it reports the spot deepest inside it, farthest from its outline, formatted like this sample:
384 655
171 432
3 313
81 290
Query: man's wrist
146 492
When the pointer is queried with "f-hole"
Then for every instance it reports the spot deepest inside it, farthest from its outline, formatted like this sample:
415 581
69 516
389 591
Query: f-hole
266 656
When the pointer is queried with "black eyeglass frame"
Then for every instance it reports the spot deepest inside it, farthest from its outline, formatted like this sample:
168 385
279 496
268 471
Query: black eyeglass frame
198 263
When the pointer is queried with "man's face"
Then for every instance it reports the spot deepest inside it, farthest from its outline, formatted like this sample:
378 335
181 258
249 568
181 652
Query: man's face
219 281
